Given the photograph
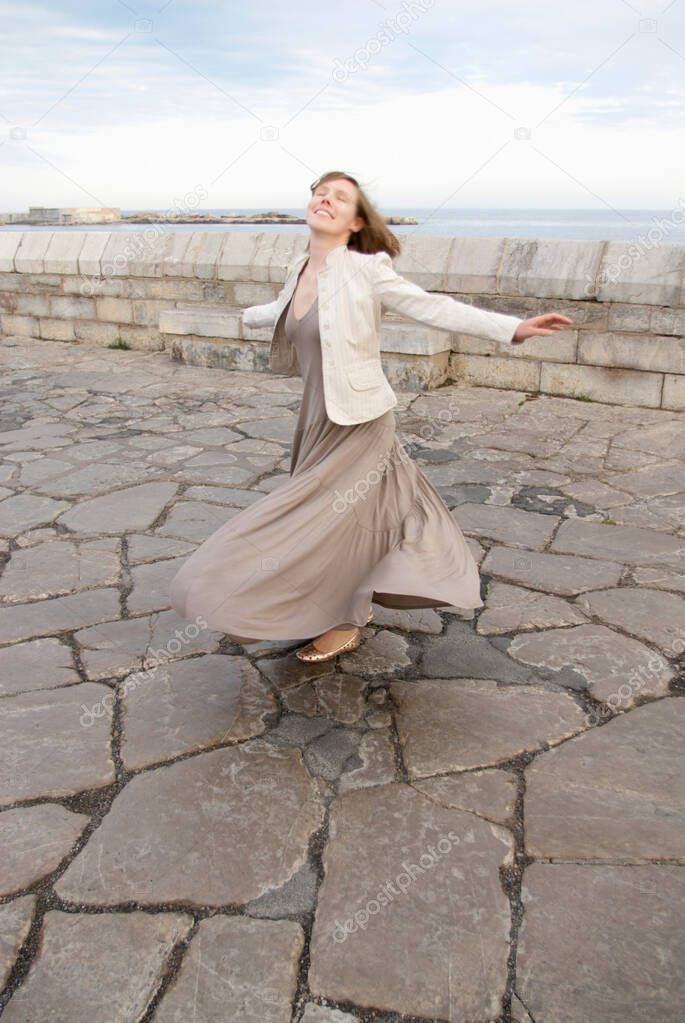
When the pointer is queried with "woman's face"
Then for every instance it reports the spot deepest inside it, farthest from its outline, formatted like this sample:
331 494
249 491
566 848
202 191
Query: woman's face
331 211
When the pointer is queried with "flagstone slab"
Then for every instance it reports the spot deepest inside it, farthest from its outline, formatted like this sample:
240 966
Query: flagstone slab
616 669
461 652
26 511
121 511
83 968
513 609
15 923
191 705
490 794
653 615
323 1014
552 573
33 841
219 828
423 886
59 566
36 664
614 792
512 526
458 724
236 969
618 956
51 744
629 544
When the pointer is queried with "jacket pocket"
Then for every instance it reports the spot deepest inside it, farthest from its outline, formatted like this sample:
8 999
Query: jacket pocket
365 375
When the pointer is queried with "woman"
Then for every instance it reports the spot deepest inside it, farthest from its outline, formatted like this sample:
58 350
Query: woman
357 522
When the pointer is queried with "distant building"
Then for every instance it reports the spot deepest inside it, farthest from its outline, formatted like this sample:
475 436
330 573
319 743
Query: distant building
58 215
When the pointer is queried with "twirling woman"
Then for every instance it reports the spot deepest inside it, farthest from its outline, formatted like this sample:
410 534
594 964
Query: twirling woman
357 522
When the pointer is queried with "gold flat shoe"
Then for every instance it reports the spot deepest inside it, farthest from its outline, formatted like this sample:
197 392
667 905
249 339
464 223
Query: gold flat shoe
370 618
310 653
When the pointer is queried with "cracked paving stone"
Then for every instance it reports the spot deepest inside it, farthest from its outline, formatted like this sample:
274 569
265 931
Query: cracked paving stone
490 794
59 566
508 525
236 969
26 511
82 971
652 615
616 669
15 923
36 664
295 897
221 827
561 574
380 654
118 647
58 614
143 548
459 651
372 763
327 755
513 608
194 521
629 544
614 792
618 956
56 742
422 885
296 730
341 696
457 724
121 511
150 590
33 841
189 705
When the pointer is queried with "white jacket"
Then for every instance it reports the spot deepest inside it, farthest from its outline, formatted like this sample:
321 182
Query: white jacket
352 287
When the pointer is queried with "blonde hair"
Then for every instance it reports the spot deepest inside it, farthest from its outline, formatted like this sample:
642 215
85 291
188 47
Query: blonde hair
375 235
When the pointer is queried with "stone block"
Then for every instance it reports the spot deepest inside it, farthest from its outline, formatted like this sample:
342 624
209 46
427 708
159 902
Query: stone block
23 326
472 265
32 305
607 384
202 254
114 310
62 253
68 307
627 316
57 330
90 256
673 396
146 311
30 255
9 243
493 371
633 351
96 333
424 260
549 268
668 321
244 257
651 277
561 347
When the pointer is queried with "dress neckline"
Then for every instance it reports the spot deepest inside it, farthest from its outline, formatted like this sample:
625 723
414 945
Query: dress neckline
293 296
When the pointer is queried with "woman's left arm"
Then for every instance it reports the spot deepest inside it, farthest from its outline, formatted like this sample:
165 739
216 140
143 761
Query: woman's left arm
402 296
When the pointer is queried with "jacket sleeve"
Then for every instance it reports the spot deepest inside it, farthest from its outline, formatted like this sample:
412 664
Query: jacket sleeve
402 296
260 315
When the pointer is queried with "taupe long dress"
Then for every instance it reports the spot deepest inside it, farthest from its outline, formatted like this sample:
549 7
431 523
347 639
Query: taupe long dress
356 521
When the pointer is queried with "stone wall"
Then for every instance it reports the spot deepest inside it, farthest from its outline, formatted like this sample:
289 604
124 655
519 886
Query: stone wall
183 292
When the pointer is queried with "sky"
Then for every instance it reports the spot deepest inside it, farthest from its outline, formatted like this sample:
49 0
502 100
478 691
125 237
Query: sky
485 104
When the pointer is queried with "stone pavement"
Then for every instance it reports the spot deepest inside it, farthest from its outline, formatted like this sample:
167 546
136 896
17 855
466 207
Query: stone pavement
473 817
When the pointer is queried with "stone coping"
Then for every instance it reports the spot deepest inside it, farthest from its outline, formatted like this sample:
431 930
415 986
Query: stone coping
640 271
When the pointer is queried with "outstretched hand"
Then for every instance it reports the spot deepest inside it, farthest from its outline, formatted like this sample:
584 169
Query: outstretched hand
539 325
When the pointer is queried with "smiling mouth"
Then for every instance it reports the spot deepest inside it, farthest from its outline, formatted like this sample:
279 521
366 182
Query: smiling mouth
324 212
